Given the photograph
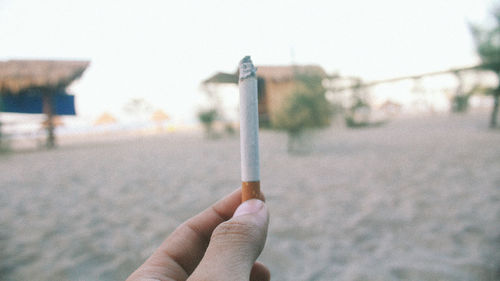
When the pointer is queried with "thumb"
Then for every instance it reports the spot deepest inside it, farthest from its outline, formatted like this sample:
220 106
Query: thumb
235 244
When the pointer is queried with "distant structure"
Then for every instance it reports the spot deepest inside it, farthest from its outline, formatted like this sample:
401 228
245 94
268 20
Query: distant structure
421 93
39 87
105 119
275 84
160 118
442 88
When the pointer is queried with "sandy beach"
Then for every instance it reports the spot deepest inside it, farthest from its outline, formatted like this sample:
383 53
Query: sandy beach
415 199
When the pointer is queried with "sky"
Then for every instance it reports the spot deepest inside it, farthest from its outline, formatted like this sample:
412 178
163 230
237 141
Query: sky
161 50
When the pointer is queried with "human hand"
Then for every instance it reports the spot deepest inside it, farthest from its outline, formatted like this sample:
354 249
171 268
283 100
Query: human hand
220 243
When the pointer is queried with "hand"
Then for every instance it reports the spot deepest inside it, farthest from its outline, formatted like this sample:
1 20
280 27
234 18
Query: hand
220 243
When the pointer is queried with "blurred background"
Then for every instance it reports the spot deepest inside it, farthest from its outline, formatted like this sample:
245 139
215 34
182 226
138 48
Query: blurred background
379 139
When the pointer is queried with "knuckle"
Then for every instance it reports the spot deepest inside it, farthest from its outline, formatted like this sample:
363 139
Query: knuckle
235 231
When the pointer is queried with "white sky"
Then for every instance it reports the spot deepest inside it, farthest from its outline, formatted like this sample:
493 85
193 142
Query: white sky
162 50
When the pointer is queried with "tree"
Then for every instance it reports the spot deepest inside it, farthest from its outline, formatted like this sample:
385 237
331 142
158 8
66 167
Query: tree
207 118
214 115
306 108
487 41
358 113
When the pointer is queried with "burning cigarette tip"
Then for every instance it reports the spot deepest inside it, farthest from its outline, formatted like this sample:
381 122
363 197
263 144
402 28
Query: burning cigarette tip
247 68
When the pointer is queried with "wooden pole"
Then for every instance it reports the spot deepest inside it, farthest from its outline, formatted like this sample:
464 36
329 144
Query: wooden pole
456 105
1 125
249 131
1 136
48 109
494 112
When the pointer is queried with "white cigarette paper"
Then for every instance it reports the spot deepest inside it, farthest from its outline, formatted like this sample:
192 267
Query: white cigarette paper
249 122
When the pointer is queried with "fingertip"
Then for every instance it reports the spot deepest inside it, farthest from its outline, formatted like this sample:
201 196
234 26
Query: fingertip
249 207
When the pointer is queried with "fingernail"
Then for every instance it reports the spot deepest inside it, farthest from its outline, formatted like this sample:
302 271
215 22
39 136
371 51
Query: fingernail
249 207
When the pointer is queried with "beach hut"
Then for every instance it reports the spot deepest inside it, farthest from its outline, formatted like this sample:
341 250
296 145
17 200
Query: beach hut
160 117
39 87
275 84
105 119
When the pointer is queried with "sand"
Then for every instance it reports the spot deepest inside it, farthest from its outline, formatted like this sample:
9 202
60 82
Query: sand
416 199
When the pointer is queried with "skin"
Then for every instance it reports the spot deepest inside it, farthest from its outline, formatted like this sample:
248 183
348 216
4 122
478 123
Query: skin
220 243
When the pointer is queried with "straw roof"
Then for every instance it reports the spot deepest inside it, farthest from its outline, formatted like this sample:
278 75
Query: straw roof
19 75
270 73
105 119
287 73
160 116
222 78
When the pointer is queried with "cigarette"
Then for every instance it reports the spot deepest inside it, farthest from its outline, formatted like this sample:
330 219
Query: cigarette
249 131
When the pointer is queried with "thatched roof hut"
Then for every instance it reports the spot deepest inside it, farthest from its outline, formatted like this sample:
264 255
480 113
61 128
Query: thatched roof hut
39 81
19 75
105 119
159 116
275 83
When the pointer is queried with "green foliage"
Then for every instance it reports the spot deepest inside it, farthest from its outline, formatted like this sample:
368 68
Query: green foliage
358 103
460 103
488 47
207 117
229 129
487 41
305 108
358 114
